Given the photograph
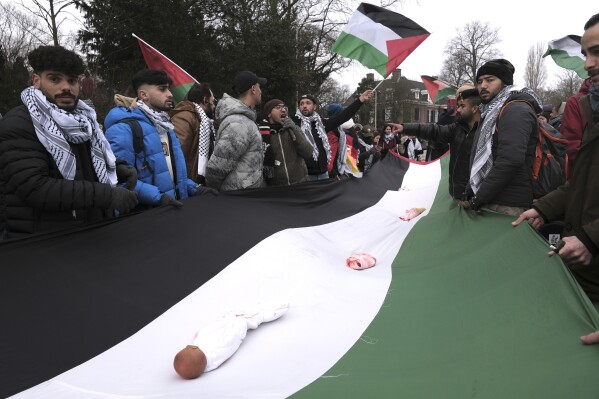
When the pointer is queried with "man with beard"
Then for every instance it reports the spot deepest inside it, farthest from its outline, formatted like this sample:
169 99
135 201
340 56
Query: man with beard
285 145
143 136
56 168
194 127
457 135
315 130
576 202
505 142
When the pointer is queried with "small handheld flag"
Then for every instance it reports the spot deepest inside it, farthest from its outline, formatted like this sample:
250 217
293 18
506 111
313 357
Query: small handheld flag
182 81
438 90
566 53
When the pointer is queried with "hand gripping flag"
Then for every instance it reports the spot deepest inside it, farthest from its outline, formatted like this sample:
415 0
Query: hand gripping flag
182 81
566 53
438 90
379 39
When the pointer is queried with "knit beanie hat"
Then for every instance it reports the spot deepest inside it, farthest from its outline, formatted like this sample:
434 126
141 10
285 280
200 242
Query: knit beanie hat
501 68
334 109
268 107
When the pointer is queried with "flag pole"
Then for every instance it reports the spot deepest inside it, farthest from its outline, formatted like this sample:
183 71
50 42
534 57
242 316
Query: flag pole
144 42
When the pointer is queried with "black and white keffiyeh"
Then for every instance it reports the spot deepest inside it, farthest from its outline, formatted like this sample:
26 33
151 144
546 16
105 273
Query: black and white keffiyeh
483 159
206 130
160 120
341 151
56 128
306 128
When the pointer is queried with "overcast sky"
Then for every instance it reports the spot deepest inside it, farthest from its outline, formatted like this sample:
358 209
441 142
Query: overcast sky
521 23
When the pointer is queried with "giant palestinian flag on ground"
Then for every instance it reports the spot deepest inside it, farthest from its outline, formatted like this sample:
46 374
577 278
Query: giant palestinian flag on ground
457 306
378 38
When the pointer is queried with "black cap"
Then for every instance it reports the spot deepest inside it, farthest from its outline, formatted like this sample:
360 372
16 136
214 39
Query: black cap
501 68
246 79
307 96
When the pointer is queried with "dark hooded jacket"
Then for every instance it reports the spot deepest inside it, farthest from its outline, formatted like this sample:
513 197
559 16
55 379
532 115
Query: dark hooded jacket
509 181
459 137
577 204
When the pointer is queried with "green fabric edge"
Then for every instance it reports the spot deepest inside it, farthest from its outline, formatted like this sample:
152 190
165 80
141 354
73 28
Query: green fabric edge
457 326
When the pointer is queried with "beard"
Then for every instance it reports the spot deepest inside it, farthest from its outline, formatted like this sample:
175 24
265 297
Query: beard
209 111
70 108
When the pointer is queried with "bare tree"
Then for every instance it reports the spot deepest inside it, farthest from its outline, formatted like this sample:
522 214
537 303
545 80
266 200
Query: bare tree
535 74
470 49
16 38
568 84
332 91
52 14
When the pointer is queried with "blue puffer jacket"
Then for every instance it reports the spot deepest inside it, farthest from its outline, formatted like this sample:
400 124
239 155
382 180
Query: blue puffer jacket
153 177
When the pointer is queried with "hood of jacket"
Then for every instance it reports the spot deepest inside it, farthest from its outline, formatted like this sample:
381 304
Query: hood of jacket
229 106
538 108
183 106
118 113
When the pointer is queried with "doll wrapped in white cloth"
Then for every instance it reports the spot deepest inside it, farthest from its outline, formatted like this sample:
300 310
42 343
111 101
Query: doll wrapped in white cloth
219 340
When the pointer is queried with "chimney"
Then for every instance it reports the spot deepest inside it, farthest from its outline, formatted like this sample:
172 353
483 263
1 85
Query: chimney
396 75
370 77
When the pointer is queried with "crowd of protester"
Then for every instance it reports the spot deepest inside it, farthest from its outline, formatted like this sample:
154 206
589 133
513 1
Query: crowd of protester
59 167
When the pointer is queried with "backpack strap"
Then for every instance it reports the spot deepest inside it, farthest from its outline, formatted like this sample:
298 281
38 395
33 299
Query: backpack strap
138 142
138 135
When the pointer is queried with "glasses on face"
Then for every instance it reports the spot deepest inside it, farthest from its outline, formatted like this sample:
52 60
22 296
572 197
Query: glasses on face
280 107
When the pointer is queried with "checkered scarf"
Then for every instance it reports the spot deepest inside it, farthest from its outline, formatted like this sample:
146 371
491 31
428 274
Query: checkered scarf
206 131
306 128
56 128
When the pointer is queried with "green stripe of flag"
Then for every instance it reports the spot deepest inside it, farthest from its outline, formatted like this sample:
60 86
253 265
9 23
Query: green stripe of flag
180 92
566 52
443 94
353 47
476 308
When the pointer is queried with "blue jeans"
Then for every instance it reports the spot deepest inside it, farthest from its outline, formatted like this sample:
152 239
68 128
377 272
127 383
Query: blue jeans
322 176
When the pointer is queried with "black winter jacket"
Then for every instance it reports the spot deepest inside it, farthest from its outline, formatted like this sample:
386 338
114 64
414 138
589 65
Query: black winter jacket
459 137
33 195
509 181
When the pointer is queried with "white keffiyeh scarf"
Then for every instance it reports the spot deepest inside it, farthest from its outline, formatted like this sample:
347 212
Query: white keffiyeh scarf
483 157
341 151
56 128
160 120
306 128
206 131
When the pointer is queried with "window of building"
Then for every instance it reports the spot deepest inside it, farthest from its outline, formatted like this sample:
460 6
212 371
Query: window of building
417 94
387 114
416 114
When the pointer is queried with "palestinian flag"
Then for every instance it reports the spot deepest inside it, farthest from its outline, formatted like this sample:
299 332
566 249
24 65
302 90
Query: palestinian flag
566 53
456 303
378 38
182 81
438 90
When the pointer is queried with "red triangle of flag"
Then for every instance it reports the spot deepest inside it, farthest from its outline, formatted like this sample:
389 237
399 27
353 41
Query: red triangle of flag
399 49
